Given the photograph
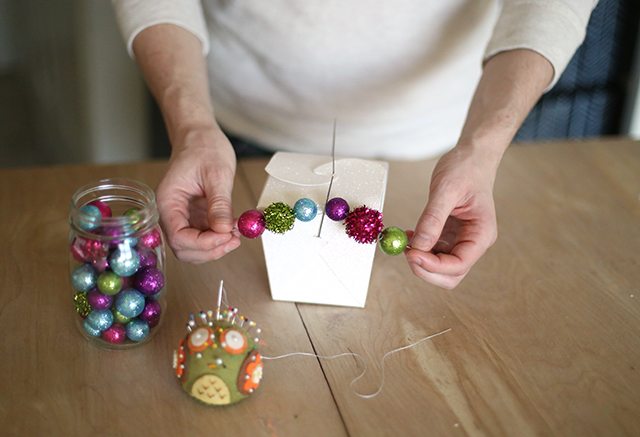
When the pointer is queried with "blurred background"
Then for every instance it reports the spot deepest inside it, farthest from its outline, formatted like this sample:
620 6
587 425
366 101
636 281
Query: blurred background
69 93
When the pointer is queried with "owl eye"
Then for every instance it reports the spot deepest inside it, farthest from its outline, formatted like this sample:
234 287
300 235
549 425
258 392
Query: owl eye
199 339
234 342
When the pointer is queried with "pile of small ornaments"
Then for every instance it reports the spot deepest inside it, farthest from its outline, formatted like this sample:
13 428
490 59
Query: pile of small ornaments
362 224
118 278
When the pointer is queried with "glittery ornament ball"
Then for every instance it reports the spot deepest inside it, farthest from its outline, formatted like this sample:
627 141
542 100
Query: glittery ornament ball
148 257
124 261
109 283
89 218
115 334
105 210
88 250
364 224
393 240
251 223
151 239
89 329
134 215
99 301
149 280
305 209
100 265
81 304
151 313
83 278
279 217
100 319
120 318
137 330
337 209
130 303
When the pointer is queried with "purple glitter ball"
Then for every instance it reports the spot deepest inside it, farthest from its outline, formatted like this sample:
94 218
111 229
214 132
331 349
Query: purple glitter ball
151 313
115 334
337 209
148 257
149 280
99 301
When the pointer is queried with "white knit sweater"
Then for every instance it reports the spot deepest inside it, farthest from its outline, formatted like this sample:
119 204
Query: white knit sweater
398 76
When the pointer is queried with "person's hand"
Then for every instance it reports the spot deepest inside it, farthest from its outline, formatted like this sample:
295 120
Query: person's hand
194 197
459 222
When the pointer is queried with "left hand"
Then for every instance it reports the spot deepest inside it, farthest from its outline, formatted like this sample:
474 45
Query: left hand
458 224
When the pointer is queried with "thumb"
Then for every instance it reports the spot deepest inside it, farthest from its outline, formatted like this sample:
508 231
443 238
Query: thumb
218 190
432 221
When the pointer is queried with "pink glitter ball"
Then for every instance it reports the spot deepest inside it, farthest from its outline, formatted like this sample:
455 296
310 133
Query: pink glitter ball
151 313
364 224
151 239
87 250
251 223
99 301
105 210
115 334
100 264
149 280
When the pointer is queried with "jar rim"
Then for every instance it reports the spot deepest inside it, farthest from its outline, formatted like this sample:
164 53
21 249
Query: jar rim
137 193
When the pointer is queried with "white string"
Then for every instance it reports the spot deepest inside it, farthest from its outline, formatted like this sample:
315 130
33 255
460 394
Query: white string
364 363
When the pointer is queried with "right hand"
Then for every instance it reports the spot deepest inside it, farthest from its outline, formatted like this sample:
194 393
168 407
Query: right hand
194 197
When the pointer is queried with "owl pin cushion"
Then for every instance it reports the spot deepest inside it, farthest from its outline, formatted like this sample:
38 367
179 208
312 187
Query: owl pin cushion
217 362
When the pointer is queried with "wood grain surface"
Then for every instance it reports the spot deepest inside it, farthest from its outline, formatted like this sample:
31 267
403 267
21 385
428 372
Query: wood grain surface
544 340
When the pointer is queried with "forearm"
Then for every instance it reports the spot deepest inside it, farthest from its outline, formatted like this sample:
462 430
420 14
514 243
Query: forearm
171 61
510 85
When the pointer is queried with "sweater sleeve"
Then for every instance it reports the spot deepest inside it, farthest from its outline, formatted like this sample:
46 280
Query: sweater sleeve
134 16
552 28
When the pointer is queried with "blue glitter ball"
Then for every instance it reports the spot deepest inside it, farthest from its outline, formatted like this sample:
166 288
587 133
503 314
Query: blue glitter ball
305 209
124 261
90 217
99 319
137 330
130 302
90 329
83 278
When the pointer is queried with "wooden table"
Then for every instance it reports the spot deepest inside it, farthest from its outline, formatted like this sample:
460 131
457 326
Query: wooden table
545 335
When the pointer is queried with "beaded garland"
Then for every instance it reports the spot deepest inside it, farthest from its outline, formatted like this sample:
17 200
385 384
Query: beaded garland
363 224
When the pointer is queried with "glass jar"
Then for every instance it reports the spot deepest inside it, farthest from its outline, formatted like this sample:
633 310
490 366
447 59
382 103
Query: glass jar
116 262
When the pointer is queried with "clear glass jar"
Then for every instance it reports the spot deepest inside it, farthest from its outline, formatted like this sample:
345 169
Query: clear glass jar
116 262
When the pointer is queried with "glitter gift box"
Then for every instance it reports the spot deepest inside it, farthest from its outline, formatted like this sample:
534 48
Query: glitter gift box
332 269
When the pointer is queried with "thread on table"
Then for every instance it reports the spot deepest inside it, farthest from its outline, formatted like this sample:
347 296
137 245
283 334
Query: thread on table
364 363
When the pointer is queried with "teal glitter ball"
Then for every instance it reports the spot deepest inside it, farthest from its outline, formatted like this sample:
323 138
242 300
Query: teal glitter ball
279 217
83 278
89 329
124 261
99 319
90 217
393 240
137 330
305 209
130 302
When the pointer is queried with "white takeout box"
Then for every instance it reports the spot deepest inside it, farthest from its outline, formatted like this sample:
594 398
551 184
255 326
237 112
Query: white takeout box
333 269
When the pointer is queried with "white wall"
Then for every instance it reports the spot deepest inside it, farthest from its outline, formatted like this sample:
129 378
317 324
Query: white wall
631 122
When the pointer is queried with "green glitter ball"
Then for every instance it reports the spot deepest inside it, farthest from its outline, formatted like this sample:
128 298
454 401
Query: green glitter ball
393 240
109 283
82 304
118 317
134 215
279 217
